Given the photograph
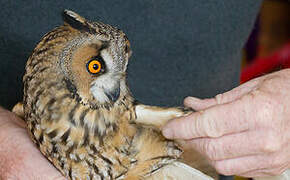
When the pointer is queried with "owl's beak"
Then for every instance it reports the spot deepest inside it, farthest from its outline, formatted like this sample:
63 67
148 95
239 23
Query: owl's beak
114 95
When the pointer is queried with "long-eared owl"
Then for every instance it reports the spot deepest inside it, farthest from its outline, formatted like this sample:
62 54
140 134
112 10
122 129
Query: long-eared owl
81 114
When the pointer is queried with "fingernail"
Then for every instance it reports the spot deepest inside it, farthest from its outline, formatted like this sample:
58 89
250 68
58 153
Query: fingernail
167 133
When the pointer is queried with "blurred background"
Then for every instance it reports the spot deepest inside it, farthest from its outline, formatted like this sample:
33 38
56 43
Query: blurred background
268 47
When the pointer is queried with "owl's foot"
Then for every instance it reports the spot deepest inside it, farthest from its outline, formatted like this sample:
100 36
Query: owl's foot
18 110
158 116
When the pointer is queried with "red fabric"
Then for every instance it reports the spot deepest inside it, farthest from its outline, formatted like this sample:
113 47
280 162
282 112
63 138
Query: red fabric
279 60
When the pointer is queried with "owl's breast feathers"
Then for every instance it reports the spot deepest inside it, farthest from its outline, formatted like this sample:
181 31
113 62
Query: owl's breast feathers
93 143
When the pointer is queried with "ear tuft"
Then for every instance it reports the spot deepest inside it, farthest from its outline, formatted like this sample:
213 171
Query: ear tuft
75 21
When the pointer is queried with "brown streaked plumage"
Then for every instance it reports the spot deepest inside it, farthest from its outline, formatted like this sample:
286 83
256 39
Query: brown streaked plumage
88 125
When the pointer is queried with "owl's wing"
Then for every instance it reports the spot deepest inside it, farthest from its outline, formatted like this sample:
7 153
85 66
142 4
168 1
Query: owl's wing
18 110
178 171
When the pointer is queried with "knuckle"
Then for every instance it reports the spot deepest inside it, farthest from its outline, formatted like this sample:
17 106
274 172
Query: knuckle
219 98
269 110
272 143
211 150
204 126
207 125
211 128
214 132
271 147
265 111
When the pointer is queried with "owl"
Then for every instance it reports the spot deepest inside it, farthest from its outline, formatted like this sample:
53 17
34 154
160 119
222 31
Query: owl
81 115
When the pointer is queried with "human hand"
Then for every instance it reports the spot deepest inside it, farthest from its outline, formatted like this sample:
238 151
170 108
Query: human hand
19 157
245 131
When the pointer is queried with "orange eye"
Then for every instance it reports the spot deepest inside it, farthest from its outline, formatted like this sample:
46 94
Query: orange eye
94 66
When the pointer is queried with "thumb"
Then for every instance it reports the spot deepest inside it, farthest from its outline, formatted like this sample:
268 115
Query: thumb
201 104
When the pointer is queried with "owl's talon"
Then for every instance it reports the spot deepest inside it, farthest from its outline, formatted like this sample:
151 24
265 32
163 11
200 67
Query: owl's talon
18 110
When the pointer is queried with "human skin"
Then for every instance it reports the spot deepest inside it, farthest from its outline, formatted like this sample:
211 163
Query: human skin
245 131
19 157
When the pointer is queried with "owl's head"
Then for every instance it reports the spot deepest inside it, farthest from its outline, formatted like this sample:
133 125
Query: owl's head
93 59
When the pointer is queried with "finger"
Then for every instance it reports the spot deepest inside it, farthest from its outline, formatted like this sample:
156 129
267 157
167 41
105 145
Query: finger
241 165
265 172
216 121
271 164
201 104
226 147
